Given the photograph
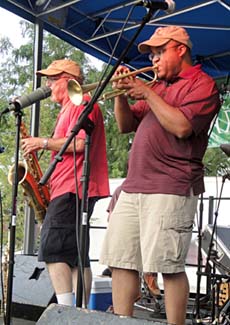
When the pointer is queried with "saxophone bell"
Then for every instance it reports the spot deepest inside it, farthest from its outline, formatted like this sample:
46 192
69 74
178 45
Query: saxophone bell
22 172
29 175
37 197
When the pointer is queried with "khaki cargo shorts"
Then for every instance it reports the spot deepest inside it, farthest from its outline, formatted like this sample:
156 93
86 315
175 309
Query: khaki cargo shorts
149 232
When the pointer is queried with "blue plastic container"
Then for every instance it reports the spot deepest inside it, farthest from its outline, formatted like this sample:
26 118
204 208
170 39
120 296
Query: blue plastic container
101 293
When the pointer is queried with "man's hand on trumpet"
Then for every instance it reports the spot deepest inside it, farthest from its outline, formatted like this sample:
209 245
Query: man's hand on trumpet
121 77
135 88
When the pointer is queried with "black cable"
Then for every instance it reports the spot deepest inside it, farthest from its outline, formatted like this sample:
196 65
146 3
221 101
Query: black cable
80 265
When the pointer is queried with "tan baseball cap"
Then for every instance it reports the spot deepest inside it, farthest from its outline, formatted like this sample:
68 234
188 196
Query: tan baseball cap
60 66
163 35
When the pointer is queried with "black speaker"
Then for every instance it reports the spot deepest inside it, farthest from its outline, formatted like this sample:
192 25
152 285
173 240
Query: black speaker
32 289
63 315
220 246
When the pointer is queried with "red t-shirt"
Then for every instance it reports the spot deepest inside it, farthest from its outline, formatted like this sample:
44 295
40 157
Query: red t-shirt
63 180
159 161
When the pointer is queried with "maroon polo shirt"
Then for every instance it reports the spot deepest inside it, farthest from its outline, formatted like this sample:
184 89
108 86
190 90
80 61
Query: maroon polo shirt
160 162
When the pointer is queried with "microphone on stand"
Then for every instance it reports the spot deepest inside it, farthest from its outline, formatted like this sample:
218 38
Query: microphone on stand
167 5
226 149
226 176
27 100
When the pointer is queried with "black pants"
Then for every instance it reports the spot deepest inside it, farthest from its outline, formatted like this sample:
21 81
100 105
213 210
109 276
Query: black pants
60 228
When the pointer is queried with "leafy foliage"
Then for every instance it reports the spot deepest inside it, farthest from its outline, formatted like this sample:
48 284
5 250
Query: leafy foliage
215 158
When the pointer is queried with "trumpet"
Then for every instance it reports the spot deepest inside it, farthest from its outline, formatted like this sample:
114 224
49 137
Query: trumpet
76 91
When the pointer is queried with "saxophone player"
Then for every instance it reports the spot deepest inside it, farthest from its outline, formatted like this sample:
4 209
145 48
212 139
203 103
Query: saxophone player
58 248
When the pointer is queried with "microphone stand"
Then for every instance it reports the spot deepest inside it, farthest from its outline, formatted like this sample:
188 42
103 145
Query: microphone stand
12 225
199 261
207 271
80 123
214 228
216 279
84 213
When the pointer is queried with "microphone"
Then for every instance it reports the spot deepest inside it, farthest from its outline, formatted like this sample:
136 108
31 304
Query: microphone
27 100
226 149
168 5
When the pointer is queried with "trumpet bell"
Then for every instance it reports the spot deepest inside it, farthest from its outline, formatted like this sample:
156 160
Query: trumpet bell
75 91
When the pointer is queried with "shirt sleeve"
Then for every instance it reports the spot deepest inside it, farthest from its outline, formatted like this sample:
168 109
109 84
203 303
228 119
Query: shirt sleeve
201 103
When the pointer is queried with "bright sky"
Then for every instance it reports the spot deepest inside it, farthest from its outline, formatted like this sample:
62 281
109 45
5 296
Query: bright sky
9 26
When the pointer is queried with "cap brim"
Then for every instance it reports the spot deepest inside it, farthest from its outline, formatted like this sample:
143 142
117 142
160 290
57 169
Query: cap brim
49 72
145 47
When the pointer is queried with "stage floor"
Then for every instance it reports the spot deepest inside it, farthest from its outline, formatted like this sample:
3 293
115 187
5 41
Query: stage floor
145 309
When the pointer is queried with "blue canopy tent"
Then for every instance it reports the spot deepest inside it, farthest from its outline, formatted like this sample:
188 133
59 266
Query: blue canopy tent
94 27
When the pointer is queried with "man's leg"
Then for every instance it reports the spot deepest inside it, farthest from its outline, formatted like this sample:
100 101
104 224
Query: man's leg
125 289
87 282
61 278
176 292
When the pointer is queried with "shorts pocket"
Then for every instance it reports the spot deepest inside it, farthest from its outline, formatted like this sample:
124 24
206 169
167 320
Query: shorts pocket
179 214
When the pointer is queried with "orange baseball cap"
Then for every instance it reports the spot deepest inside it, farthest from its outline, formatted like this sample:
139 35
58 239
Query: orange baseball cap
163 35
61 66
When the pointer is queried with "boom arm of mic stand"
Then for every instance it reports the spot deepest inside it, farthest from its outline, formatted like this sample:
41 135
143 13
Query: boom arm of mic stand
89 106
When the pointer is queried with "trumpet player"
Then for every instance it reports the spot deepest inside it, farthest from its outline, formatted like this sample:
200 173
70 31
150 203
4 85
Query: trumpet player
58 245
150 228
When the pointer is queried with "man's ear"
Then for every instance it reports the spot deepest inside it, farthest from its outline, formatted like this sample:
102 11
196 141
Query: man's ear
182 49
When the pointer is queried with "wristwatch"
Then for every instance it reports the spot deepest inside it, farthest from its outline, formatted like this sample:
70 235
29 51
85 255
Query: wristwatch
45 143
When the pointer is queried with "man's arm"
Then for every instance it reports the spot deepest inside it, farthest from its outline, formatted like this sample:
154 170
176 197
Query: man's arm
170 117
125 119
35 143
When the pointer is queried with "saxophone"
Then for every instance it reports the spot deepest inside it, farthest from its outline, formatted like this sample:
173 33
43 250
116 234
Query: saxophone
29 175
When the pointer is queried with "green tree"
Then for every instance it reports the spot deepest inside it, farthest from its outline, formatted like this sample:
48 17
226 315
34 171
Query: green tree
215 158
